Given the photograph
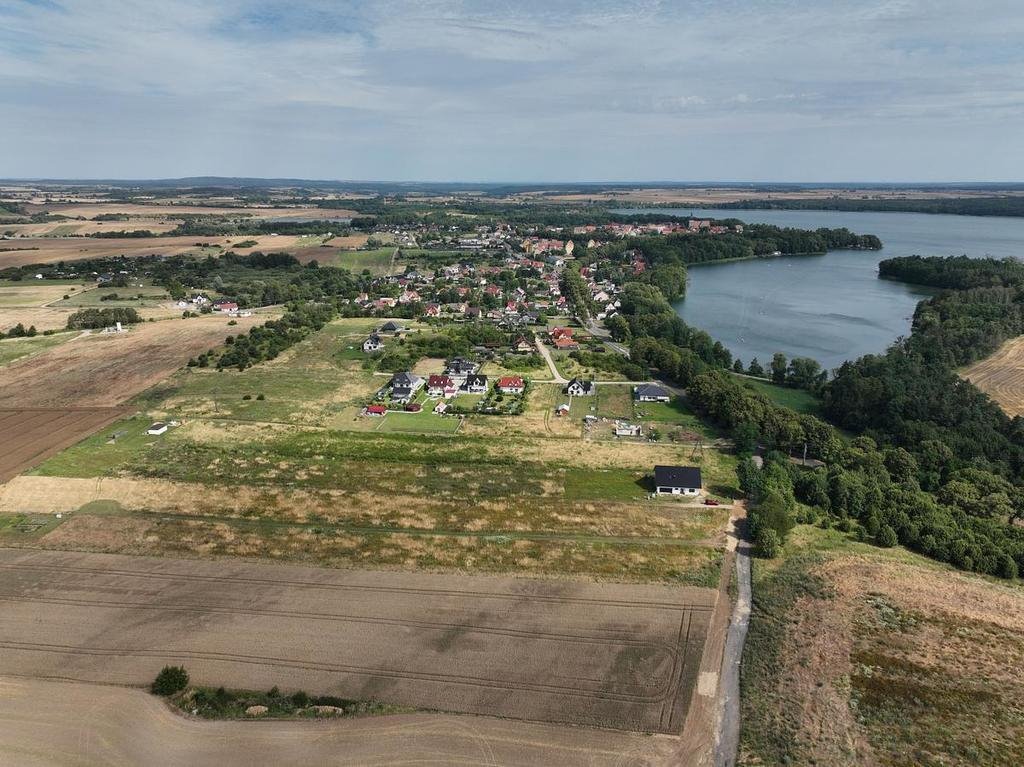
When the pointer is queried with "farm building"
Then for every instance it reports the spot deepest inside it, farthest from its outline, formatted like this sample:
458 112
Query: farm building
156 429
651 393
580 388
391 327
677 480
511 385
373 343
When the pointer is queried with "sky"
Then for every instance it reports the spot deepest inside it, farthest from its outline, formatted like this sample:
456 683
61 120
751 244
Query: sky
518 91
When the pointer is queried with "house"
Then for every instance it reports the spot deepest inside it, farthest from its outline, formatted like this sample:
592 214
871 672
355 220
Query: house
373 343
624 429
650 393
156 429
475 384
223 305
522 345
577 387
566 344
404 386
511 385
390 327
677 480
459 368
432 310
376 410
557 333
441 386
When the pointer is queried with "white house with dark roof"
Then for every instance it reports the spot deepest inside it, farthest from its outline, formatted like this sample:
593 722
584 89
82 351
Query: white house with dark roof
651 393
677 480
580 388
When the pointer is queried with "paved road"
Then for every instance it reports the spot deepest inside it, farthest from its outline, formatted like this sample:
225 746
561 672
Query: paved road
546 354
727 737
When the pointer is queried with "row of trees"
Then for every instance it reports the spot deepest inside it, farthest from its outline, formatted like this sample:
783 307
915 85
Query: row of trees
102 318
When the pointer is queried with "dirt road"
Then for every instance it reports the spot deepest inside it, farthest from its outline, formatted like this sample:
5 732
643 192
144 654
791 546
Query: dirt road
49 723
728 730
546 354
609 655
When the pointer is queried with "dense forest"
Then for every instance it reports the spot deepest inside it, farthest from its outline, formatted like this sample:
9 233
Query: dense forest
937 466
1001 205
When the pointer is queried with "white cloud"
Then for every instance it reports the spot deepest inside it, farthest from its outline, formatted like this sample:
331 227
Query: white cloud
487 89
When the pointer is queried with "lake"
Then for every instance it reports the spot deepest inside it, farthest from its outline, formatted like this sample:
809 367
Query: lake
832 307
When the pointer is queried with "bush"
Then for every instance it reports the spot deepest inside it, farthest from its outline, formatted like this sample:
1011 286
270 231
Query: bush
886 537
767 544
170 680
300 699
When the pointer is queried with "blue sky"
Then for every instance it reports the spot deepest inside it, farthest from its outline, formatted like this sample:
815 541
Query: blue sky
857 90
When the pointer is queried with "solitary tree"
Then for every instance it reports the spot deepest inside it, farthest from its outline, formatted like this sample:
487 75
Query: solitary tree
170 680
779 367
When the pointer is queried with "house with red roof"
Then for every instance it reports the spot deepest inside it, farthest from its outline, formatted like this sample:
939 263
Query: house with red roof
511 385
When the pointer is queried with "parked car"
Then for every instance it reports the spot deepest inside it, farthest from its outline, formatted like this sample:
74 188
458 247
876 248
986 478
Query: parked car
711 502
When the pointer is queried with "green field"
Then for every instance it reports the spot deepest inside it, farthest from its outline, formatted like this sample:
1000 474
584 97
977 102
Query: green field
422 422
136 296
15 348
330 486
674 413
796 399
377 261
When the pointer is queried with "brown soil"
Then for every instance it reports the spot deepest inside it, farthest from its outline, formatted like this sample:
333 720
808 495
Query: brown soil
31 436
107 369
62 722
607 655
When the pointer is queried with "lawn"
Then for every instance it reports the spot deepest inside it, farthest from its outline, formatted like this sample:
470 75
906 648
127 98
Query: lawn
674 413
796 399
422 422
615 402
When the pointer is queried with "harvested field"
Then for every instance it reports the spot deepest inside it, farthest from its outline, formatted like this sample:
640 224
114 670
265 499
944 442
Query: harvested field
31 436
860 656
609 655
1001 376
106 725
104 370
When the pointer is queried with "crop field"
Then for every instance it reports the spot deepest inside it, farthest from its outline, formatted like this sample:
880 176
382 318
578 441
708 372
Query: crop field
30 436
130 726
104 370
1001 376
609 655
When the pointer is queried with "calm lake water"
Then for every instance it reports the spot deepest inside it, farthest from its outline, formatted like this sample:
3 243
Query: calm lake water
832 307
